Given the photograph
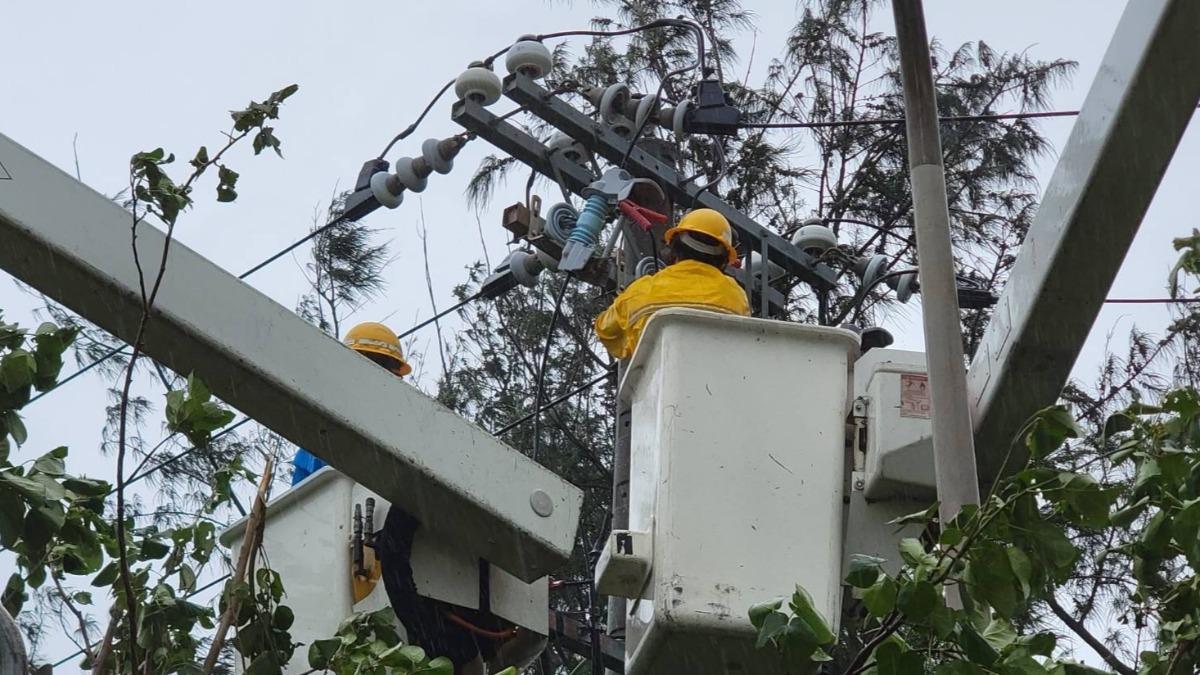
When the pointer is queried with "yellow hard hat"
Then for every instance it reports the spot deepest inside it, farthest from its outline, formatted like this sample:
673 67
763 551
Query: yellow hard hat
378 339
707 222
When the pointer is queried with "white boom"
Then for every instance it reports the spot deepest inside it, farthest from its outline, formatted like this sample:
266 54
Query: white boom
73 244
1127 131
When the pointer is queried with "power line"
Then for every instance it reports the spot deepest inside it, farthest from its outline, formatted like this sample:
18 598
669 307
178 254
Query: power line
194 593
242 276
901 120
578 390
1151 301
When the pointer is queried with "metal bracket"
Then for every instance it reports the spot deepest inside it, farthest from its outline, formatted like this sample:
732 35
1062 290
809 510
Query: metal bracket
607 144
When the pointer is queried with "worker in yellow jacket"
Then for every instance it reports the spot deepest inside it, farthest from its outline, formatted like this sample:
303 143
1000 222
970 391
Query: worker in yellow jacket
700 247
467 637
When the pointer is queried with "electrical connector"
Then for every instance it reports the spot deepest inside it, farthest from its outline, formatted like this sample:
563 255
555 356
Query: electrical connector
713 113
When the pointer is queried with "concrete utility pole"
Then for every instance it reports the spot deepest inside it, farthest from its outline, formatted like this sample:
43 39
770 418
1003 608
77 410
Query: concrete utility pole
953 440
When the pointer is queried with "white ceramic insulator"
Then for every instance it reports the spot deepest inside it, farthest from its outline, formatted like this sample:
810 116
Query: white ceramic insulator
814 238
613 101
429 150
568 147
525 267
408 177
387 189
478 84
645 109
677 118
530 58
548 261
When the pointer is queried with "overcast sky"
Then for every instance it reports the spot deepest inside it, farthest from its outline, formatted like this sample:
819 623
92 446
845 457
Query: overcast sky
130 76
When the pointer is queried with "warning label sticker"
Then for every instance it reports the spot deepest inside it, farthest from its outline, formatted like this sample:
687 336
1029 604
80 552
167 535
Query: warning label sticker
914 396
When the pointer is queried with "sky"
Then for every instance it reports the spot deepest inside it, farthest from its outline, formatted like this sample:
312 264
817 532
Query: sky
88 84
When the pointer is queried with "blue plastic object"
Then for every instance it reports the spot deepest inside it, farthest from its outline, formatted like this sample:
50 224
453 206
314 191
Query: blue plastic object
304 465
590 222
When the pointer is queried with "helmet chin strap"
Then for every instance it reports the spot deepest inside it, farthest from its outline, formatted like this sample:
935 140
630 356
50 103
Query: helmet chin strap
693 242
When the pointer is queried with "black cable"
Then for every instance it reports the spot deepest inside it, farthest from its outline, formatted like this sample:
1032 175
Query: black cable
192 594
439 315
1151 301
79 372
578 390
413 127
175 458
541 375
701 55
900 120
653 110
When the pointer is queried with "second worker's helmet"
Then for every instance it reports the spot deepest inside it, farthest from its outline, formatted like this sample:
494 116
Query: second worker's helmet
709 223
377 342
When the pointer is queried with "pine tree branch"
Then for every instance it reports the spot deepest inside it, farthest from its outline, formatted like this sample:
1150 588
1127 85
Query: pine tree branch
1079 629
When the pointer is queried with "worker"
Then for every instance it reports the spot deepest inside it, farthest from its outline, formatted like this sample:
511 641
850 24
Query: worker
376 342
466 637
698 248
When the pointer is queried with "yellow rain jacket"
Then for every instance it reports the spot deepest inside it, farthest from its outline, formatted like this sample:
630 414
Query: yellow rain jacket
687 283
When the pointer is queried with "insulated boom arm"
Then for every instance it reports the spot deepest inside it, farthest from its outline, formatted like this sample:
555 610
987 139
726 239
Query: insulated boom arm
73 244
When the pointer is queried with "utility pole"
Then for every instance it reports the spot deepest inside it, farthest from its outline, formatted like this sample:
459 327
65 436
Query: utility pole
953 440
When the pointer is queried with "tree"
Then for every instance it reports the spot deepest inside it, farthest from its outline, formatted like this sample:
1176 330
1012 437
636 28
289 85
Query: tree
834 70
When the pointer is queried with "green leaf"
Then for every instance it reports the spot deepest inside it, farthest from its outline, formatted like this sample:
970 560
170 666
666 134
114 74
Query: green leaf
283 618
32 490
87 487
1041 644
13 597
880 598
12 516
923 517
959 668
802 606
917 600
1125 516
444 666
266 663
976 648
12 423
107 576
759 612
1117 423
1184 402
999 634
942 619
991 577
1083 499
1147 473
52 463
201 157
153 549
187 578
1186 531
864 570
950 536
913 552
227 181
1021 567
892 659
1048 430
17 370
773 625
